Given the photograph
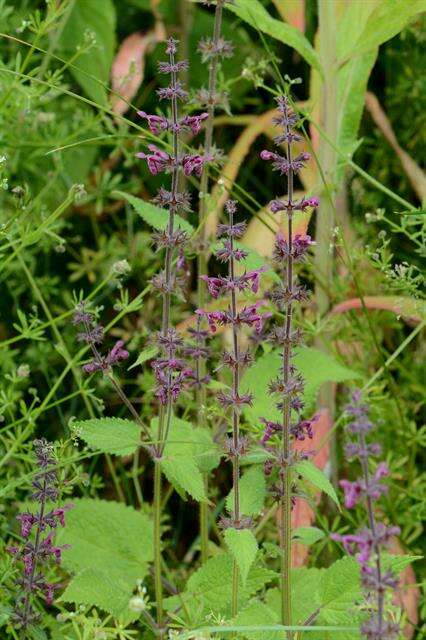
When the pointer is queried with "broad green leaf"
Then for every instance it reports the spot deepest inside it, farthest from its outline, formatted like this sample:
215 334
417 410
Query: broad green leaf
109 435
110 546
90 18
210 587
154 216
340 592
255 14
146 354
257 613
252 492
188 453
316 477
305 594
385 21
307 535
243 547
315 366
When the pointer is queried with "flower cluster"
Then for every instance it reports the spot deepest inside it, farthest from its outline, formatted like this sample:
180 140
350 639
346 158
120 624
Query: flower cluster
170 370
235 318
93 334
199 352
38 550
288 387
367 544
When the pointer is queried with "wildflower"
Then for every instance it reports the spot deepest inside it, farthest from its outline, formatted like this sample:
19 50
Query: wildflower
36 555
367 543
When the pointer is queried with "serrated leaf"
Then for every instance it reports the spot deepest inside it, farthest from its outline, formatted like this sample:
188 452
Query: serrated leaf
98 588
307 535
105 537
340 589
188 453
210 587
109 435
315 366
255 14
243 547
316 477
305 596
257 613
154 216
145 354
99 19
398 563
252 492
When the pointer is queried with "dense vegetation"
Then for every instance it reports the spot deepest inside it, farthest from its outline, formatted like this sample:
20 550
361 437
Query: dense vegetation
190 383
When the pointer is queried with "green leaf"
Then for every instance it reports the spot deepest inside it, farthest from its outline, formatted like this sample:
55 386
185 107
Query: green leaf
187 454
110 548
381 21
257 16
398 563
243 547
252 492
315 366
340 591
154 216
109 435
99 19
146 354
307 535
257 613
210 587
316 477
305 597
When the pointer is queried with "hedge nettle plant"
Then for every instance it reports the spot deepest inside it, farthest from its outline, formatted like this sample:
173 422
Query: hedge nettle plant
289 385
182 364
213 50
236 359
38 549
368 543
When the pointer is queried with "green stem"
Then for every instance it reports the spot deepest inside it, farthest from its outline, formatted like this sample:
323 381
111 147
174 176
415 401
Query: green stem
157 546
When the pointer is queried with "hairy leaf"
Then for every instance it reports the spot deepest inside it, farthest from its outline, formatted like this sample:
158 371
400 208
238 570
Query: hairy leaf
316 477
315 366
109 435
243 547
252 492
257 613
187 454
110 548
210 587
154 216
307 535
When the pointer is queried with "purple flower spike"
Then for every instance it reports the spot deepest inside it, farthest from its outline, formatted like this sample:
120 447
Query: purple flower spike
35 556
367 544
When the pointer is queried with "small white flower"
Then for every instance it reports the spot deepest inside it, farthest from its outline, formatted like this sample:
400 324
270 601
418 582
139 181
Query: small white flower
23 371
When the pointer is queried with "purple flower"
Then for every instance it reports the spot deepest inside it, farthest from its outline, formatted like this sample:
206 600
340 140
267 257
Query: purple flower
194 122
157 161
156 124
367 543
193 164
35 556
284 164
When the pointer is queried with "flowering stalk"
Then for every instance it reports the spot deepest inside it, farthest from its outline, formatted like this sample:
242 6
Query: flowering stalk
170 370
367 544
236 446
36 555
289 385
212 51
